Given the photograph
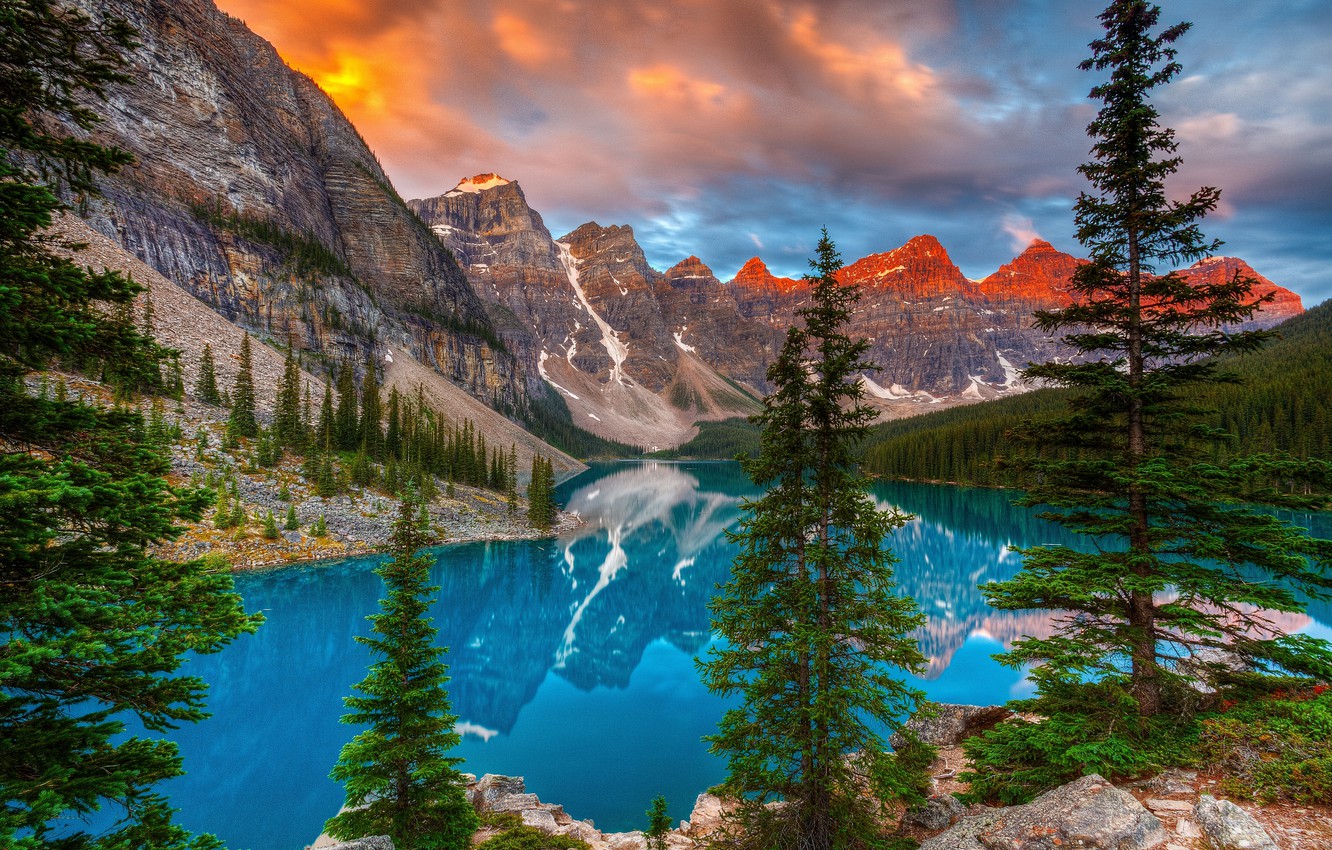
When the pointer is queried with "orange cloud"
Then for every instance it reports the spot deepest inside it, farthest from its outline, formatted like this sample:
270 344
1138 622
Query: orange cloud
520 41
882 65
670 83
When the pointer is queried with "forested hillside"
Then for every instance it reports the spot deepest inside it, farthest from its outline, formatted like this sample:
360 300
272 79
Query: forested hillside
1282 402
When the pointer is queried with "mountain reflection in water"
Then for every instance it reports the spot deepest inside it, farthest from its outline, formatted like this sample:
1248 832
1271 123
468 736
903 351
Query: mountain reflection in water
572 658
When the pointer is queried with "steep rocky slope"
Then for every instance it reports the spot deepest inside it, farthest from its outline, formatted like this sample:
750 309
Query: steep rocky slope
588 315
253 192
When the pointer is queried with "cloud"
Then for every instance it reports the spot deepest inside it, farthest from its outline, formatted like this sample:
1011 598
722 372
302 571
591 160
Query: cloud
1021 229
718 119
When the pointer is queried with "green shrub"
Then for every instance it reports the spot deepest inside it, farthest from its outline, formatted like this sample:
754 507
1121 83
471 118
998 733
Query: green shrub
1085 728
527 838
1276 747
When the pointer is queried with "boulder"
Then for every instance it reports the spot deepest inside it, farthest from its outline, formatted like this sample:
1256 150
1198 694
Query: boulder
939 812
950 724
1088 813
492 788
707 817
1228 827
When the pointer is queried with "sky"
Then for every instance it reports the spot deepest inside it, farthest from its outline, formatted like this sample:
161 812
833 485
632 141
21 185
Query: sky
729 129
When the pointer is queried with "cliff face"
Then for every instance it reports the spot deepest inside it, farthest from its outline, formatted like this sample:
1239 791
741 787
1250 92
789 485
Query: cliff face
254 193
588 315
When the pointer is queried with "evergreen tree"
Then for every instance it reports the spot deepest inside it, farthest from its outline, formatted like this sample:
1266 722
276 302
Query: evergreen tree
400 780
372 429
325 428
205 388
95 627
346 425
393 437
287 427
292 523
1176 552
812 625
270 531
242 422
541 506
659 823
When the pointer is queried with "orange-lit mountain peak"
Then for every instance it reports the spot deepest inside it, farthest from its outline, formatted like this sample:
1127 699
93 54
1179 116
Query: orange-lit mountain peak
478 183
920 268
754 274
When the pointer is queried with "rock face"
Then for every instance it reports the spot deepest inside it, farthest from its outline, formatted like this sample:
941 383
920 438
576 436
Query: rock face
254 193
951 724
588 315
1228 827
1087 813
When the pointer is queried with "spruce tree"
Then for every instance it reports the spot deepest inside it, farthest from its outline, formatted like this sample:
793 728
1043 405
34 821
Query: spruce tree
372 429
325 428
346 425
95 627
813 629
1176 553
287 427
206 387
242 421
400 780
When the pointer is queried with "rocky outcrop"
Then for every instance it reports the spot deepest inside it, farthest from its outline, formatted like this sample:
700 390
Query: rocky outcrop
253 192
1228 827
1088 813
948 724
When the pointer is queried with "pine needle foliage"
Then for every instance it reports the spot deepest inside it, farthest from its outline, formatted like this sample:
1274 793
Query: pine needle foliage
1179 563
94 627
400 780
815 632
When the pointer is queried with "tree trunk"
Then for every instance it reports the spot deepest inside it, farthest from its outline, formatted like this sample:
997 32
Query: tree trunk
1146 684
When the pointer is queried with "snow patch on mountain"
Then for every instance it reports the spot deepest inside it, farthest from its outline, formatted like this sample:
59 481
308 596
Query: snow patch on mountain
610 338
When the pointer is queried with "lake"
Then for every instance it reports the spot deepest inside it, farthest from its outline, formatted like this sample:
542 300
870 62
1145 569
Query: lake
572 658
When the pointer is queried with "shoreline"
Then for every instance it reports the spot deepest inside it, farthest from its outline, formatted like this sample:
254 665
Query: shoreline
253 554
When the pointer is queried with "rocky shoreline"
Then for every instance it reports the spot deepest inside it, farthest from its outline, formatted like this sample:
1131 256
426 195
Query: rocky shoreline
1174 810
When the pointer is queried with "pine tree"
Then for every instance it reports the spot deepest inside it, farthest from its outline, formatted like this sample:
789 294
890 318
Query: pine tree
270 531
400 780
372 429
325 428
1175 552
541 506
659 823
206 387
95 627
242 422
287 427
292 523
812 625
346 425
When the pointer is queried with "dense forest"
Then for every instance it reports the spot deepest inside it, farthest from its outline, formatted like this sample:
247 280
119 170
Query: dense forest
1281 401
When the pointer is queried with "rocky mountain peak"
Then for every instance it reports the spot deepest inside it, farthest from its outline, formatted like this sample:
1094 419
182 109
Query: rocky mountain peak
919 269
1038 276
690 266
754 274
1283 303
478 183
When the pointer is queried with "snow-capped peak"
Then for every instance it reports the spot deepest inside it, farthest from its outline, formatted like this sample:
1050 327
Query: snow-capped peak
479 183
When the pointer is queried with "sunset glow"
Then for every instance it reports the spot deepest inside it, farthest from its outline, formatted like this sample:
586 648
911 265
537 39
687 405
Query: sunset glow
715 126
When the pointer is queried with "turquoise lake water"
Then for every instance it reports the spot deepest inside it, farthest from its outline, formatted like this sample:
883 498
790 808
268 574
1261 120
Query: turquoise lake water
572 658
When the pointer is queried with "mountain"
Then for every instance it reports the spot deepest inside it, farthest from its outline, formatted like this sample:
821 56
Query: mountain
640 356
254 193
1282 402
587 314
